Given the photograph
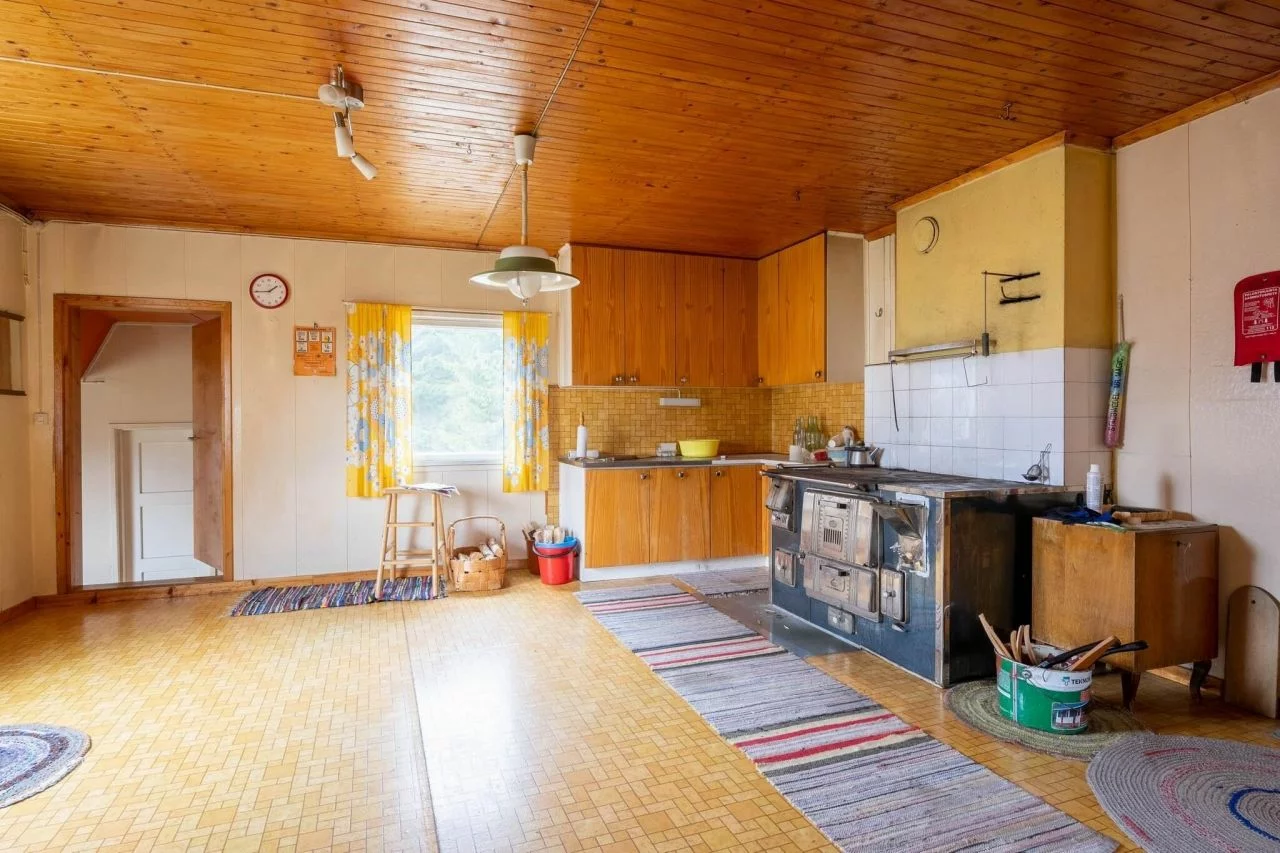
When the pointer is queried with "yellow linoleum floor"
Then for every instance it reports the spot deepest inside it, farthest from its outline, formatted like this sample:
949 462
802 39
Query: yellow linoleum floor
504 721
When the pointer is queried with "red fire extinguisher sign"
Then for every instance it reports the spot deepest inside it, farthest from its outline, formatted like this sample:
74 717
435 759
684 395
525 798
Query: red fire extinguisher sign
1258 318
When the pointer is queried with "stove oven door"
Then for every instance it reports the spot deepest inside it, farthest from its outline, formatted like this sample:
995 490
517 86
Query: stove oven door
893 594
849 587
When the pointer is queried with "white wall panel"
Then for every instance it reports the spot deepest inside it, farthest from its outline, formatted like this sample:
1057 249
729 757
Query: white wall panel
288 443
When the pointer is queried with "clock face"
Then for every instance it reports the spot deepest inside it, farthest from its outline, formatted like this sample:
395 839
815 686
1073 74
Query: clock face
269 291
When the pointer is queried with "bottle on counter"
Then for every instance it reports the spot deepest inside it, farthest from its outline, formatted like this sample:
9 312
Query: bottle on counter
1093 488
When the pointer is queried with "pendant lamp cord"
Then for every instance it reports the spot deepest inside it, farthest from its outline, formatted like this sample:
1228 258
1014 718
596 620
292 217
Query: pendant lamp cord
524 204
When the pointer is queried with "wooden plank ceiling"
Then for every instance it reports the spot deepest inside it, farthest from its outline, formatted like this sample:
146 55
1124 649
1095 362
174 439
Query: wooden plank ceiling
726 126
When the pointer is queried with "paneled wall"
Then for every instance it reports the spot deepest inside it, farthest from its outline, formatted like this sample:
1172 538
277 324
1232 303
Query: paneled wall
15 513
1197 210
292 515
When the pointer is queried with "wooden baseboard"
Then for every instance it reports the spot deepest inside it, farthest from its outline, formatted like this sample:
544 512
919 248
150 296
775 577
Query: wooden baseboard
22 608
107 595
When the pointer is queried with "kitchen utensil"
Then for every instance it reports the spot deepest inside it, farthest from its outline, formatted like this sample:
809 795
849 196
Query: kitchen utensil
1091 657
699 448
856 456
1039 472
996 642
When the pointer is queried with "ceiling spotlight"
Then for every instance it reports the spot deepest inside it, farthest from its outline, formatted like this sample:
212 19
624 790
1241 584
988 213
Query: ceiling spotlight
341 93
525 270
366 168
343 96
342 136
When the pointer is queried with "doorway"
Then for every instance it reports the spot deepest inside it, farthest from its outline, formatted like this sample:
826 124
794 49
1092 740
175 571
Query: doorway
142 441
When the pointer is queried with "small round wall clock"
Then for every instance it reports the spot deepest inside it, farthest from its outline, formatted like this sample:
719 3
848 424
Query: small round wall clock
269 291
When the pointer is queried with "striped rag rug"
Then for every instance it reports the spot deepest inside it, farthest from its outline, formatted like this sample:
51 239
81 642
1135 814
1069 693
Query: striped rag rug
868 779
286 599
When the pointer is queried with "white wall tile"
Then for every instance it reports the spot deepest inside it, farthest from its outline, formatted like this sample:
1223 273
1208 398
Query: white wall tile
1014 368
918 431
989 433
940 460
940 402
973 371
876 378
990 463
964 402
942 373
940 432
921 375
964 461
1017 462
1018 400
919 402
1047 399
901 377
919 457
1048 365
1048 431
964 432
1019 434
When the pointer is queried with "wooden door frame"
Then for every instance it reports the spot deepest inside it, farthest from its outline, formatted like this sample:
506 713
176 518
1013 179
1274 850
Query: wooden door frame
66 409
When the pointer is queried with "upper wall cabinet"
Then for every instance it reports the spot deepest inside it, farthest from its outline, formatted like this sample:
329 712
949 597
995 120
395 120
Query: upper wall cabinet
878 262
792 316
662 319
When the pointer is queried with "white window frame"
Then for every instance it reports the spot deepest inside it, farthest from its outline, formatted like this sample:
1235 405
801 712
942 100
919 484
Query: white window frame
467 319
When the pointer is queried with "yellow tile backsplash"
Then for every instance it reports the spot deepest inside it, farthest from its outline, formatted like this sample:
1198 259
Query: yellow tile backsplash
746 420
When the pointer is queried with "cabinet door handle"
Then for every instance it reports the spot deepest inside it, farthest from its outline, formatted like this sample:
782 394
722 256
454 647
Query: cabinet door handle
719 473
617 380
644 476
684 380
679 475
759 380
817 374
634 379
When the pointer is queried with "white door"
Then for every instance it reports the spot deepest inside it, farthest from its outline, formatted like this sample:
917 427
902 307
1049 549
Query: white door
156 524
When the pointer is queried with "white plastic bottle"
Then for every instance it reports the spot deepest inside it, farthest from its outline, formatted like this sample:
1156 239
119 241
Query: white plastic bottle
1093 488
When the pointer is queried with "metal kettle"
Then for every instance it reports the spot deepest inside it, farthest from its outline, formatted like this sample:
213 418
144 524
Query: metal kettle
862 456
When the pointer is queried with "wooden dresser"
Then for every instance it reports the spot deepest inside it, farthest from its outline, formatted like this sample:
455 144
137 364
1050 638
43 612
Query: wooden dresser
1156 582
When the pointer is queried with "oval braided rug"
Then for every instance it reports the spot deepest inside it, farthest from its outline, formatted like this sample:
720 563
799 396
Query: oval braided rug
1190 794
33 757
977 703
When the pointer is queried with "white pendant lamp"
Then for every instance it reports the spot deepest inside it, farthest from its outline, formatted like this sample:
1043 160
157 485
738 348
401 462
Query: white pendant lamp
343 96
525 270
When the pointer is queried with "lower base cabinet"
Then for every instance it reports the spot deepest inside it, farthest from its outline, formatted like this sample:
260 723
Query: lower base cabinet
671 514
735 511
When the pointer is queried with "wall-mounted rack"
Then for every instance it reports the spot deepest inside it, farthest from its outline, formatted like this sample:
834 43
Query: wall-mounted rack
928 351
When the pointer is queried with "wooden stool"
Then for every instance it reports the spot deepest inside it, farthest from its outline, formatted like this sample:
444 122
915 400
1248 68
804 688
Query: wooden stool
392 557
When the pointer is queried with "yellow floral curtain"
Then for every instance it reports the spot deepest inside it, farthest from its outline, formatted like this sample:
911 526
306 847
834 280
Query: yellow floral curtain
526 445
379 398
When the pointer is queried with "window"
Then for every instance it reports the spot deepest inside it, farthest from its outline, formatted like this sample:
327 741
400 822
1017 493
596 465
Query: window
457 388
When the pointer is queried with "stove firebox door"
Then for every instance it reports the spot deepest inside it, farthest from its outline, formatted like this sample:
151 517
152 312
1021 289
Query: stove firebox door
893 594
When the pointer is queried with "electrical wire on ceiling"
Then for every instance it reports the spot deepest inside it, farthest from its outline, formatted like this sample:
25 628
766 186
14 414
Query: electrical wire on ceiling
564 72
108 72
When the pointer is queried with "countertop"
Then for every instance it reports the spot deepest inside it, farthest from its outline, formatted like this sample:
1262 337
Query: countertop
917 482
677 461
892 479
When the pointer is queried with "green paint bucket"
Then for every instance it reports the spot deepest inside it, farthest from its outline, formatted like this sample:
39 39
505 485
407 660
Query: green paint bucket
1050 700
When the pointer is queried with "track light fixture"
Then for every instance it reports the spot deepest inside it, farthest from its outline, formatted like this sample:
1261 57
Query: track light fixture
343 96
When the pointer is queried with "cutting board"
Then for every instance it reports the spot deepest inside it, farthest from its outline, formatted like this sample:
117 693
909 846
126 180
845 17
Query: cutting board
1253 650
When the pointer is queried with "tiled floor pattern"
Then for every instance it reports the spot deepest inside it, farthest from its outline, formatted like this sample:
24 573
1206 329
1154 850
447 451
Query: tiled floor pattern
308 731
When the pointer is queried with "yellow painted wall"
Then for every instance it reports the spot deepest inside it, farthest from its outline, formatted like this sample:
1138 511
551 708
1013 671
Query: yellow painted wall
1090 255
1012 221
1051 213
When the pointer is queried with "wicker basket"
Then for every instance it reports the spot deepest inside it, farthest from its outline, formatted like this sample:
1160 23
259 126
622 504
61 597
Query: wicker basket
468 570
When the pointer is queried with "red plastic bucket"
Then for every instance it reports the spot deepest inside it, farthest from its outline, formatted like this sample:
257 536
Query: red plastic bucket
556 562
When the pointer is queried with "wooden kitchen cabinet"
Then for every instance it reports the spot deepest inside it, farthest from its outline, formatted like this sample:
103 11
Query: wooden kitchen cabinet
768 321
735 511
617 513
739 335
802 286
679 505
1157 582
792 314
649 311
700 317
598 309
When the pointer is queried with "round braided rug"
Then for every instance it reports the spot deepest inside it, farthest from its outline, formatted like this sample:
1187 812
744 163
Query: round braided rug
34 757
977 703
1190 794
